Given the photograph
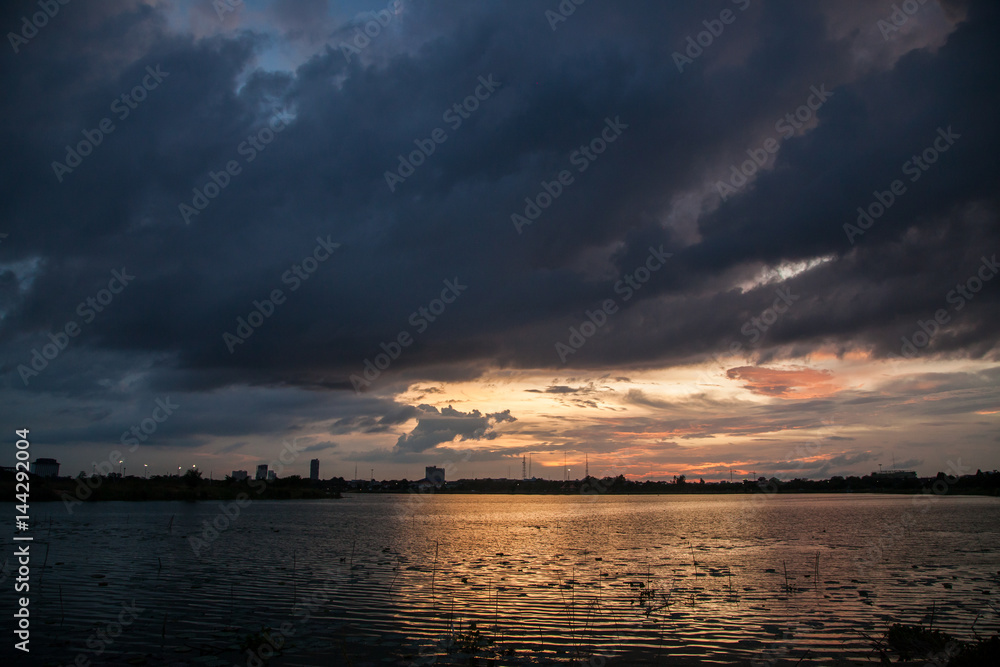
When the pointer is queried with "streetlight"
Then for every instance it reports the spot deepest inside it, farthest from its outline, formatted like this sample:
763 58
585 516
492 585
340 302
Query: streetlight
119 467
145 474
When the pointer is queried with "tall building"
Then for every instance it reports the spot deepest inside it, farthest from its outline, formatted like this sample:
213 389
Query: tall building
261 471
239 475
271 476
45 467
434 475
314 470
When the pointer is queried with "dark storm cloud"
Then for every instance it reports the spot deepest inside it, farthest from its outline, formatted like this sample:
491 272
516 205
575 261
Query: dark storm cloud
396 415
322 177
556 389
848 459
435 427
321 446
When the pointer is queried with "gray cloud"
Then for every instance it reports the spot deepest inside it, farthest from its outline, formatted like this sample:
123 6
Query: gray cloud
435 427
323 176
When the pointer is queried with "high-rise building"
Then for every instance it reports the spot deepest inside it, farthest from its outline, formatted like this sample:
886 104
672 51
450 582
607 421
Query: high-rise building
45 467
271 476
262 471
314 470
239 475
434 475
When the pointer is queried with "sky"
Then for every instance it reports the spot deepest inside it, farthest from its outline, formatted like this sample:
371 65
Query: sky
702 238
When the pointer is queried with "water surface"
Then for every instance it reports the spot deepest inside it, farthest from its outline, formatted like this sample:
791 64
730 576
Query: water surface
387 579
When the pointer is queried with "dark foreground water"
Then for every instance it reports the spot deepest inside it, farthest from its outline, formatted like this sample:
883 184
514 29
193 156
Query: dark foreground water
397 580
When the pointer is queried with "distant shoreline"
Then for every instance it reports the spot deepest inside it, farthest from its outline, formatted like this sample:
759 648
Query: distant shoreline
75 490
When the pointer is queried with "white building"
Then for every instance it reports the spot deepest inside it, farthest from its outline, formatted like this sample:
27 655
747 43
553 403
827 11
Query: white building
45 467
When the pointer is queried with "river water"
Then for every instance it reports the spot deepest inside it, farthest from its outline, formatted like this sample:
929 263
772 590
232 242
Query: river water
397 580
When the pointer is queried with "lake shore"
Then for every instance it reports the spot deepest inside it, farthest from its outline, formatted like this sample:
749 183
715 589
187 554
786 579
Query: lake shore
193 487
390 579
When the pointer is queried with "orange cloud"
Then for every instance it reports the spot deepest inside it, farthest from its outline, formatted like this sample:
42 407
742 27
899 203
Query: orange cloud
795 383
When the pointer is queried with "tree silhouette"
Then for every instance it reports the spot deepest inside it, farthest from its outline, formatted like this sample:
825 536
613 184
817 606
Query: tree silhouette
192 478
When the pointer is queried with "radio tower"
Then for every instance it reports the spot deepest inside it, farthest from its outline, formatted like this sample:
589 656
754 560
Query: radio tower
524 467
586 465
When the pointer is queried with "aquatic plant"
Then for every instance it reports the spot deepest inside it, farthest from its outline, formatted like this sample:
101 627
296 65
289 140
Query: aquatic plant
912 641
915 642
979 652
255 642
